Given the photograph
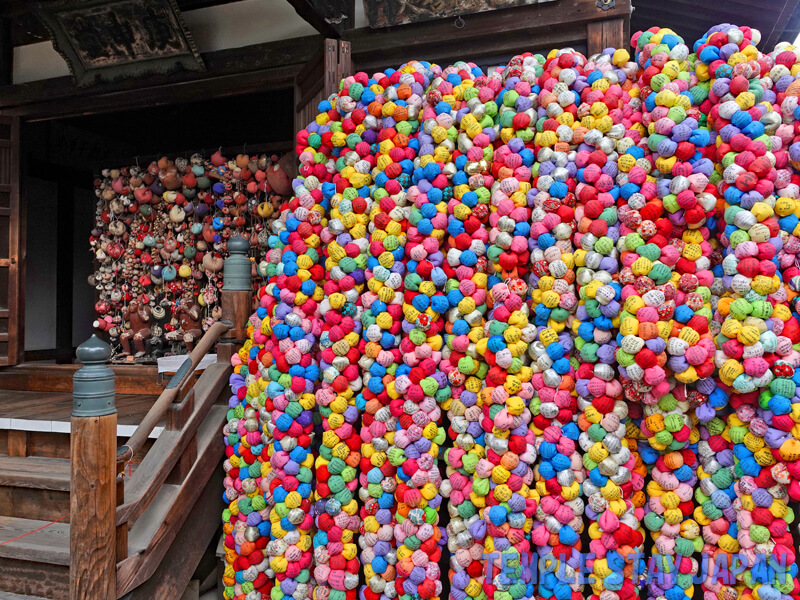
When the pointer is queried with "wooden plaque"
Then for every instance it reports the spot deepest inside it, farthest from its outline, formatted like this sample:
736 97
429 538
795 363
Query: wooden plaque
110 40
386 13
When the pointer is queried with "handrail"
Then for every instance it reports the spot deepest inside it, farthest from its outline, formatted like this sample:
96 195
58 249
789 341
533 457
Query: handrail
107 535
127 451
155 469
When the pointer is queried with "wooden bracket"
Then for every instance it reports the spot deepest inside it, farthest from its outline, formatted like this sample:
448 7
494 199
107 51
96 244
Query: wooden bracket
329 17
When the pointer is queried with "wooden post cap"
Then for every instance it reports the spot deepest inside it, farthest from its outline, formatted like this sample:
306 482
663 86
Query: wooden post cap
93 392
236 271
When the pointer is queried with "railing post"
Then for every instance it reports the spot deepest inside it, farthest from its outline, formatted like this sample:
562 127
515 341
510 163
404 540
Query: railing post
93 446
237 296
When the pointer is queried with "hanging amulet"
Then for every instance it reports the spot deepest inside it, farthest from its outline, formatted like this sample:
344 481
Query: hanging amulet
518 286
423 322
481 211
626 276
477 180
456 378
540 268
551 205
666 310
371 507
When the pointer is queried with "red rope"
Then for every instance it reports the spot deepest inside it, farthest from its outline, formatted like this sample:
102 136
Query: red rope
19 537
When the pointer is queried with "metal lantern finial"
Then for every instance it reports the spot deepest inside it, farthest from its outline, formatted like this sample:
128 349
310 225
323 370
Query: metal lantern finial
93 392
236 272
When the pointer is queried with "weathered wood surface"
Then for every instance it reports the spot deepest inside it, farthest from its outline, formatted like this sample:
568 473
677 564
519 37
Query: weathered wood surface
56 445
93 508
605 34
50 377
509 31
50 545
155 531
17 443
323 15
41 406
230 72
156 466
27 502
31 579
14 256
178 566
237 308
35 472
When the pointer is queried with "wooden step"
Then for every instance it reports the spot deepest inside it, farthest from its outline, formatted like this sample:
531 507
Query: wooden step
50 544
25 579
34 487
34 490
173 507
35 472
9 596
38 423
37 564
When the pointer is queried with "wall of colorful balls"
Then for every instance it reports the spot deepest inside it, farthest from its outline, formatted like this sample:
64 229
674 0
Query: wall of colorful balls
546 310
160 239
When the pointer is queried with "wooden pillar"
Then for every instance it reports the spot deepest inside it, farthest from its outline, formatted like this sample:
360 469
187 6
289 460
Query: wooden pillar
319 78
237 297
64 271
609 33
93 486
6 53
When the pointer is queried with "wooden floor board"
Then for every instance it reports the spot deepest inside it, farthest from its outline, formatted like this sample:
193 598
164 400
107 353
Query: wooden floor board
56 406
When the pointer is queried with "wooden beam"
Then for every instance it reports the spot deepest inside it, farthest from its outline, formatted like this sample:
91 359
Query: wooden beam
309 12
274 65
230 72
17 249
331 67
604 34
187 5
15 8
329 17
505 31
344 65
509 43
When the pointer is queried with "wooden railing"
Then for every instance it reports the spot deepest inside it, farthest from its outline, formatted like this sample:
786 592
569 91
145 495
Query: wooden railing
174 389
175 452
120 530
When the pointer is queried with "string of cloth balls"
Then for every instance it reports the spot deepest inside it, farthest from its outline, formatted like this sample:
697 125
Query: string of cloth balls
547 310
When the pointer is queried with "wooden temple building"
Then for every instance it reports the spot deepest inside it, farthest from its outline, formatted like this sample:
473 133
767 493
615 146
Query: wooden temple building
133 510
